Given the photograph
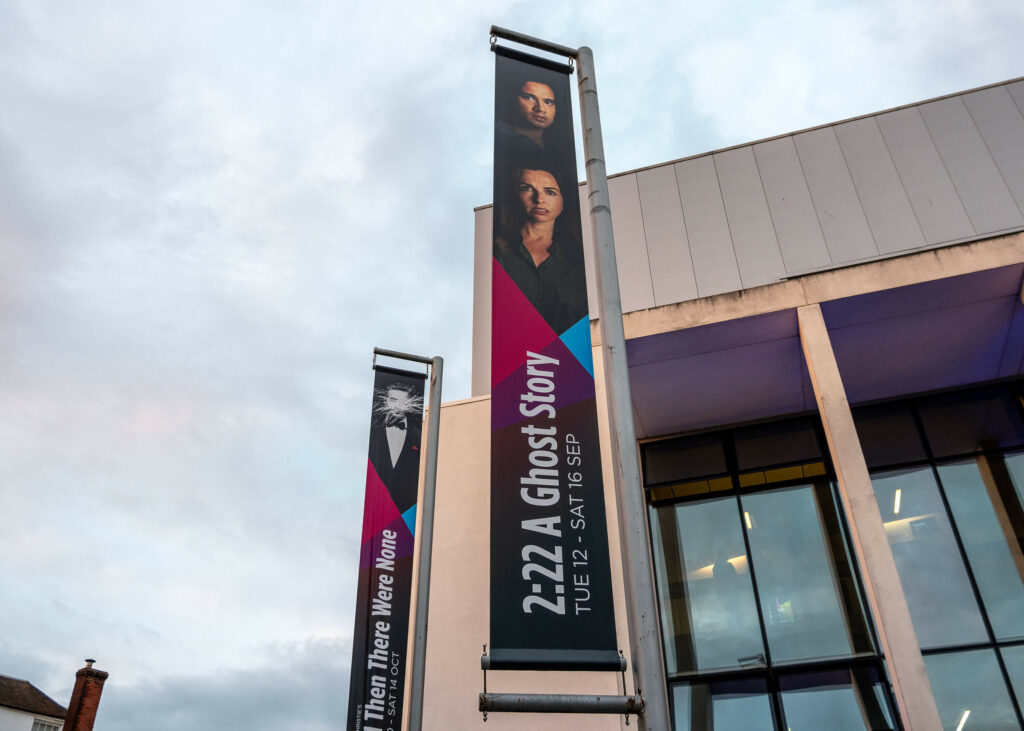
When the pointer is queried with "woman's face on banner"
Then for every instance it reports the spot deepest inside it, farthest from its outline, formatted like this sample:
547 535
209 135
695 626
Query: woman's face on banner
537 104
540 195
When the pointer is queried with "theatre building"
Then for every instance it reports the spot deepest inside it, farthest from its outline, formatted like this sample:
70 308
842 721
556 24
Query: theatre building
825 338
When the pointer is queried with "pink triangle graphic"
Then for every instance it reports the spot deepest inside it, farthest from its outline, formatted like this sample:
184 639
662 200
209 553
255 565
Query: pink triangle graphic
405 543
515 326
379 509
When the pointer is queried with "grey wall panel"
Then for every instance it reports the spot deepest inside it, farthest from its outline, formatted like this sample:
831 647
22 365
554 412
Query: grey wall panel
630 244
667 247
714 261
796 222
1016 90
1001 125
931 192
988 201
840 213
750 222
885 201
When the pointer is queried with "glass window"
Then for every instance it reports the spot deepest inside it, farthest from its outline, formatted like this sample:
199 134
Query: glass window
993 548
939 594
969 421
735 705
970 691
785 442
756 584
888 435
1013 658
686 458
805 609
839 700
708 613
1014 464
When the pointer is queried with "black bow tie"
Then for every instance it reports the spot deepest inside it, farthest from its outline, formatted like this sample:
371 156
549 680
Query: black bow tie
397 425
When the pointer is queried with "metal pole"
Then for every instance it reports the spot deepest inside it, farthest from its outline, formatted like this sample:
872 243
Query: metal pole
641 604
426 538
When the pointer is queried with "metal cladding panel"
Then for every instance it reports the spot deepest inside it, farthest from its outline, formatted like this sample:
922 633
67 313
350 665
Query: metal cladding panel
1002 127
667 247
988 201
881 193
630 244
750 222
840 213
1016 90
707 229
796 222
931 192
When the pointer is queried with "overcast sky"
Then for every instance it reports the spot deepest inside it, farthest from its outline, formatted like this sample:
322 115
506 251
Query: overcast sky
210 212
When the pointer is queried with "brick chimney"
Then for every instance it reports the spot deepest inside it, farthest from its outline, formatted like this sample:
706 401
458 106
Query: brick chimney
85 700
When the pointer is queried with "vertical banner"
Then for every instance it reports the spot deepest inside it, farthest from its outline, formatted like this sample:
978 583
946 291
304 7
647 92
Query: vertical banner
551 597
377 681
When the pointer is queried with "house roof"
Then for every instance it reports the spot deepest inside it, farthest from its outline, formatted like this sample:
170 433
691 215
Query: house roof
21 695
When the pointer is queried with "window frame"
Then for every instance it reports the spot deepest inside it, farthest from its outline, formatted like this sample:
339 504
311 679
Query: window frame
1014 391
772 673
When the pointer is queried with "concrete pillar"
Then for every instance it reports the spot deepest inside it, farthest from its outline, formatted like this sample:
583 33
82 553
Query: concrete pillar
878 568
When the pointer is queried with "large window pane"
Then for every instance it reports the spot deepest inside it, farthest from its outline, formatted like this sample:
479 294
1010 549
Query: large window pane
709 617
1013 657
802 600
939 595
738 705
1015 468
839 700
989 539
970 691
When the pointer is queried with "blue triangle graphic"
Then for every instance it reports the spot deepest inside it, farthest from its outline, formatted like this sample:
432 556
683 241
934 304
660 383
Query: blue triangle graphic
409 516
577 340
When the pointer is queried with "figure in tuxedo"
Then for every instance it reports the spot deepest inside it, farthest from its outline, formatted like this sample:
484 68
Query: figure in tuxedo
395 440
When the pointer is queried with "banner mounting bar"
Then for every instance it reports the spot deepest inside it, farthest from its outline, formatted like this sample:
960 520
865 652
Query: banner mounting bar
539 43
403 356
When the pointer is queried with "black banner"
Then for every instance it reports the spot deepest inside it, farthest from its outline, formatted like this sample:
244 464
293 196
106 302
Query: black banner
551 597
377 681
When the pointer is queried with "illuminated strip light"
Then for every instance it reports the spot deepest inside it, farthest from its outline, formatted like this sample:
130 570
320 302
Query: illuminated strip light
896 505
746 517
963 720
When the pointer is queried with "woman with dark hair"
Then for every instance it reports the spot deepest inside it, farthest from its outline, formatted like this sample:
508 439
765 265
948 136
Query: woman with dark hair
540 249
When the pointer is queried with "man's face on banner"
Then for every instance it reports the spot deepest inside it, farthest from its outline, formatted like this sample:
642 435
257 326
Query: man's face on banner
537 104
395 403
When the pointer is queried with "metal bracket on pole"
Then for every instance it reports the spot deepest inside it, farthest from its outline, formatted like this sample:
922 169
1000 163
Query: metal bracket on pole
525 40
426 533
